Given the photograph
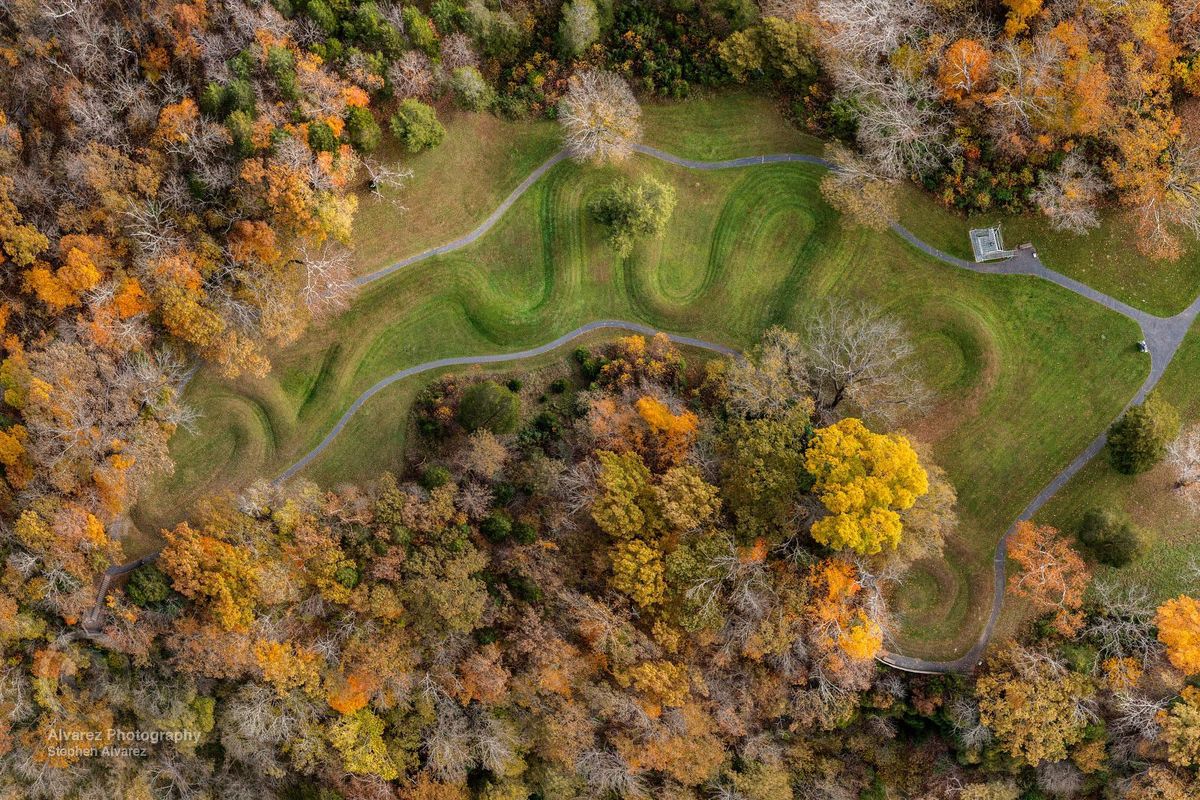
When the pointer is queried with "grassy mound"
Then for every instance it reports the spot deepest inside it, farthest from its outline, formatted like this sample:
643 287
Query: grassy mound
1027 373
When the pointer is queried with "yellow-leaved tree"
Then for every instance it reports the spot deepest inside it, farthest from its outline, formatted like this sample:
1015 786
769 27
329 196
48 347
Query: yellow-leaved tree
863 479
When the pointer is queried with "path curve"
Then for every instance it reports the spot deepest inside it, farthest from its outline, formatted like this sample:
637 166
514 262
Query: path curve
1163 335
497 358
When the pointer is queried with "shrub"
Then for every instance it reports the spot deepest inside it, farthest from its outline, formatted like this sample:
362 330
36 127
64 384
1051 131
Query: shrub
1139 439
504 493
523 588
212 99
241 131
420 31
559 386
470 89
147 585
1108 537
524 532
489 405
447 14
372 31
282 66
320 12
514 384
321 137
416 125
362 130
497 526
435 476
347 576
589 365
238 96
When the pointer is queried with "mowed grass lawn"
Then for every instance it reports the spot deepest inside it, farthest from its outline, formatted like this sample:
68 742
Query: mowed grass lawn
453 187
1169 526
482 158
1105 259
1027 372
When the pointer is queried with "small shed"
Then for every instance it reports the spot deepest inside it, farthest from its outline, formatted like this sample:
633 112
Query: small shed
988 245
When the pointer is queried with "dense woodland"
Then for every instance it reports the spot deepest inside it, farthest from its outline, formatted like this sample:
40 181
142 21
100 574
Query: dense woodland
646 577
650 578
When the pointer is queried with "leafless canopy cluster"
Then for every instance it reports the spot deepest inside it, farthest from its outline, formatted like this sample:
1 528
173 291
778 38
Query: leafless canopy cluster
869 29
1070 195
601 118
1183 457
902 125
856 353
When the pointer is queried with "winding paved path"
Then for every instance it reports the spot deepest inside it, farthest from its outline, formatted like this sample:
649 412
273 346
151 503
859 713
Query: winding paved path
1163 335
498 358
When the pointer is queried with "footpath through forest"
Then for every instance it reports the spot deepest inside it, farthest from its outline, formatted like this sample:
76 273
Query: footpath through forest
1162 335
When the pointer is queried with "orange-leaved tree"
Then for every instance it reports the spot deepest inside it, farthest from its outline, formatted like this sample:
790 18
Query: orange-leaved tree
1178 623
1052 577
208 569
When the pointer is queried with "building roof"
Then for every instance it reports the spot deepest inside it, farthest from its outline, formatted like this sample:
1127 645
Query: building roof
987 244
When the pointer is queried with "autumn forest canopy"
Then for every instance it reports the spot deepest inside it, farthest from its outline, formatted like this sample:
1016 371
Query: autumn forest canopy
646 570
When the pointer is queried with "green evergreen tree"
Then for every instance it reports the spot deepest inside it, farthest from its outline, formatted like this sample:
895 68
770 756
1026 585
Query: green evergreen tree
1139 439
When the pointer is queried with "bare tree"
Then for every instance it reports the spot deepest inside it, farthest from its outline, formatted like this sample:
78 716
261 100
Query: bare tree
448 742
903 126
772 379
601 118
411 75
457 51
381 176
474 499
607 775
328 283
1122 626
1069 195
868 29
856 353
1025 74
491 743
1182 189
1060 778
1138 716
783 9
1183 457
254 722
857 189
964 716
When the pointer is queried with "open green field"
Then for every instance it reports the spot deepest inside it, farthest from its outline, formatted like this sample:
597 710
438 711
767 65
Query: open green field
1027 372
728 125
1105 259
457 184
453 187
1170 528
